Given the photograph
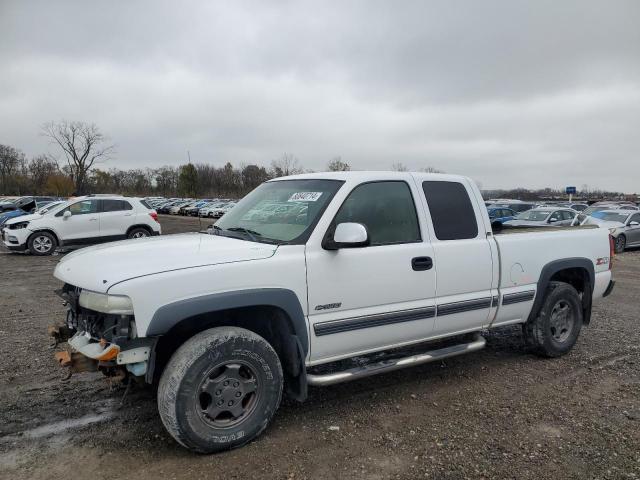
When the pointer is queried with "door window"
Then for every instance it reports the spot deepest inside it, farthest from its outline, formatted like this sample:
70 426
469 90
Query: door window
81 208
451 211
635 218
386 209
566 215
555 215
115 205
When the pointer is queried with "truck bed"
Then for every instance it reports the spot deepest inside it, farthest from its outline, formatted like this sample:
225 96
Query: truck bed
506 230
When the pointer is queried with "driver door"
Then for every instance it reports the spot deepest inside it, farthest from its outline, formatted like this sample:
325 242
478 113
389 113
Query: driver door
84 222
378 295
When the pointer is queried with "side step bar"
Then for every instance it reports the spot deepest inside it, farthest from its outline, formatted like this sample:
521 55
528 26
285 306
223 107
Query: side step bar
385 366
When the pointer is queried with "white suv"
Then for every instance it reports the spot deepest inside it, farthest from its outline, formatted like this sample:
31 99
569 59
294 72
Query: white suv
82 220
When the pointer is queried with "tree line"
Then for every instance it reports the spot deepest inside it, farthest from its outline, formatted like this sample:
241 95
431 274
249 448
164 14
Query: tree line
82 148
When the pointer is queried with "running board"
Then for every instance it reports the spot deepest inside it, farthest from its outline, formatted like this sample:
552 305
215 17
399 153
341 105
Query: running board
385 366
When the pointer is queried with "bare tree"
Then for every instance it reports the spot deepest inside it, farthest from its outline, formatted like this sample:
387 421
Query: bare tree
287 164
83 145
399 167
337 165
40 168
12 163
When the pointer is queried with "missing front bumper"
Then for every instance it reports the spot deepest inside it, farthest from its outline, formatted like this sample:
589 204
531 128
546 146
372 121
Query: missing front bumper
86 355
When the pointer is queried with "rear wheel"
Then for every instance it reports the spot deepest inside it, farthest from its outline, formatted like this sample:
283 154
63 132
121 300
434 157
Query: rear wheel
220 389
138 232
621 243
555 329
42 243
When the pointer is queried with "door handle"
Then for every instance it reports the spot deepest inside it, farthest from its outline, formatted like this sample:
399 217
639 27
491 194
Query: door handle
421 263
93 219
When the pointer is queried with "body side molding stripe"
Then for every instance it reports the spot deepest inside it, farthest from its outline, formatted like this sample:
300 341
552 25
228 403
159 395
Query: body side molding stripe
357 323
518 297
464 306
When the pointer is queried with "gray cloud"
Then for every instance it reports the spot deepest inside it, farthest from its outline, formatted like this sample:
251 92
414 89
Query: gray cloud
512 93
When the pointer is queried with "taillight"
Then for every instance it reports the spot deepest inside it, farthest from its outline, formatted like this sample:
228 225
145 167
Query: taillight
612 250
154 215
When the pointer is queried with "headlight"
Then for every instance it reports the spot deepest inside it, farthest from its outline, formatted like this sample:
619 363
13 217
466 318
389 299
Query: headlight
612 230
100 302
18 226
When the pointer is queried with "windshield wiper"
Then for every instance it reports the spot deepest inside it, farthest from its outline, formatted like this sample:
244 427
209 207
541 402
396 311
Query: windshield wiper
251 233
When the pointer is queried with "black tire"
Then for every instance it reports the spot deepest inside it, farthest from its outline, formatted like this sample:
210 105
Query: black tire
620 243
555 329
187 392
138 232
42 243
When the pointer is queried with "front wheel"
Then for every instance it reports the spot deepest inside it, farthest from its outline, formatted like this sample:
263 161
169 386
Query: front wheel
555 329
220 389
42 243
621 243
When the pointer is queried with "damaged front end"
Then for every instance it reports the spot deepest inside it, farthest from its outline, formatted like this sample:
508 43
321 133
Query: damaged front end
100 333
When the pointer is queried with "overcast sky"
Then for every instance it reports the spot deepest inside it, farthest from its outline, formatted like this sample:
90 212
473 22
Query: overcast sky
512 93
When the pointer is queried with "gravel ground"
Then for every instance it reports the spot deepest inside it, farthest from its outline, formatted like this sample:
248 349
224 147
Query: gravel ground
498 413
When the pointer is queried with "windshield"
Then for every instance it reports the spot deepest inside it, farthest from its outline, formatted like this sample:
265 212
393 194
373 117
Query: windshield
610 216
278 212
534 215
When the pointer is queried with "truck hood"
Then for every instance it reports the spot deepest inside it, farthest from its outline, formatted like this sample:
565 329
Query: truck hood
102 266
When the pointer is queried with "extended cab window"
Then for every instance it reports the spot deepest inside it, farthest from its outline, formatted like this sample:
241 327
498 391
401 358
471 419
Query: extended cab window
451 211
115 205
386 209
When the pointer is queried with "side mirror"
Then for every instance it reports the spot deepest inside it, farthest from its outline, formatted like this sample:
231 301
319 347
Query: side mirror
634 224
347 235
66 214
553 220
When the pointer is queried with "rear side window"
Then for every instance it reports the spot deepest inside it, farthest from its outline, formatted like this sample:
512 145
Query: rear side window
386 209
451 210
115 205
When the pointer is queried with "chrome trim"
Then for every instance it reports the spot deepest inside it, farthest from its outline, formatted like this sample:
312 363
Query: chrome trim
385 366
518 297
357 323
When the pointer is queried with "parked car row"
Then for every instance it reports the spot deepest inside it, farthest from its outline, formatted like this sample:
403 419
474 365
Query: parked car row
208 207
621 218
80 221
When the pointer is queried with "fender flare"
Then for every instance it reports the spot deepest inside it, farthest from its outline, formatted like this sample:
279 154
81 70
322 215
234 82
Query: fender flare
550 269
171 314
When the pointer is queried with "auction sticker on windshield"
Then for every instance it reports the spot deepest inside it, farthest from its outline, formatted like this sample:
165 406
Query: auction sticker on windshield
304 197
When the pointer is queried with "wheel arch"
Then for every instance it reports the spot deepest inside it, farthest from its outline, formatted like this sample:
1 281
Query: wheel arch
141 225
578 272
45 229
274 314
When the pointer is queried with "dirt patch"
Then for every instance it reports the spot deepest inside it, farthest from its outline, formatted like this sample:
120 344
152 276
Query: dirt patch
498 413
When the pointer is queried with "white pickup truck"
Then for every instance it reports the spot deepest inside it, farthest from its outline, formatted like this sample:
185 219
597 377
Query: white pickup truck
354 263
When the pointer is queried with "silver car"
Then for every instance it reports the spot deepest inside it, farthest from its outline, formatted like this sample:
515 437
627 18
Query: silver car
624 226
543 217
